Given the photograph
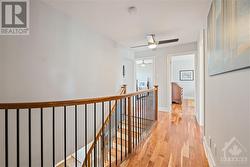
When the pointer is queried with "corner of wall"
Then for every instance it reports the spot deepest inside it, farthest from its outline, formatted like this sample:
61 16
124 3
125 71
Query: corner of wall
208 153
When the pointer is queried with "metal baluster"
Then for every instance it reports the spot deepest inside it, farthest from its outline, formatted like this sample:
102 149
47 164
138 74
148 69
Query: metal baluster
97 152
137 116
126 125
133 120
65 137
53 135
6 139
146 111
103 149
75 135
17 137
95 134
41 112
143 112
135 129
121 125
116 132
129 127
29 118
140 116
140 121
110 133
86 133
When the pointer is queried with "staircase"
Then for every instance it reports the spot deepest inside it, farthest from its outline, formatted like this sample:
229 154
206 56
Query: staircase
119 149
106 130
126 126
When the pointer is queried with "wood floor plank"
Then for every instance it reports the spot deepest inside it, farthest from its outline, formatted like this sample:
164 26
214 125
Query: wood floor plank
175 141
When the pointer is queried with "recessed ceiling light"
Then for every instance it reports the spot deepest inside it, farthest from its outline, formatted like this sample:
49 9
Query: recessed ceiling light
132 10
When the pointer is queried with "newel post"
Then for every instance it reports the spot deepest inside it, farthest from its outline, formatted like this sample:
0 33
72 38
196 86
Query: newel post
156 101
124 86
129 126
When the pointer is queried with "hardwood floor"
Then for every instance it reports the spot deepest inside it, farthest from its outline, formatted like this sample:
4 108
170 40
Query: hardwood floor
175 141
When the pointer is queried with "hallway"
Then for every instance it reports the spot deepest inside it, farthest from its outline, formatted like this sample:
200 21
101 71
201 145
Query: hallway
175 141
125 83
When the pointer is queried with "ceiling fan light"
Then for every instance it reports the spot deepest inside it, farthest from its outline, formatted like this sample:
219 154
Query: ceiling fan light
152 46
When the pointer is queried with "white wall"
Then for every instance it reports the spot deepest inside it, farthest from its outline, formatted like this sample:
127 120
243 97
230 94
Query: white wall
162 57
52 64
227 111
129 79
183 62
60 59
128 61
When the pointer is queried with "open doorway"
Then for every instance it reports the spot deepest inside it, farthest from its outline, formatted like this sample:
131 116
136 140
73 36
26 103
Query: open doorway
144 73
183 80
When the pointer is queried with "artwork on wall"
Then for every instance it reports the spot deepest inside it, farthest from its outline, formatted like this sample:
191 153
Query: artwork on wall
228 36
186 75
123 71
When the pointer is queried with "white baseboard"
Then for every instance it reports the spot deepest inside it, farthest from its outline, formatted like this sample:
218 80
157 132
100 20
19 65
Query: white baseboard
188 97
208 153
164 109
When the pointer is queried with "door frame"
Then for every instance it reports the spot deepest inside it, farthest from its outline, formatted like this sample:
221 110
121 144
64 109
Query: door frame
153 67
169 74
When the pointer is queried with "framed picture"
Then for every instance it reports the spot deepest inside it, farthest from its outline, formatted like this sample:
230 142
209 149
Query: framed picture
228 36
123 71
186 75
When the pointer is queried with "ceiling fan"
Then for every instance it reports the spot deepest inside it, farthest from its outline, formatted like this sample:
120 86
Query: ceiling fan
143 62
152 43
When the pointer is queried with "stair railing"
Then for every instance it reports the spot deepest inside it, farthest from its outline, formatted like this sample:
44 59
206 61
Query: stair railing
104 124
32 130
131 117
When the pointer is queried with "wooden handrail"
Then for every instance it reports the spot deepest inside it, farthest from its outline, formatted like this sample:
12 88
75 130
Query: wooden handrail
135 114
69 102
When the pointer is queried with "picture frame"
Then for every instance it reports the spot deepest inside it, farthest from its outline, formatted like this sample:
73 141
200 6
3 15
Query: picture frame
186 75
228 42
123 71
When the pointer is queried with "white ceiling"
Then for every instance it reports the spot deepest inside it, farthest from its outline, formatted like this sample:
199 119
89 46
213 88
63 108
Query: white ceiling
181 19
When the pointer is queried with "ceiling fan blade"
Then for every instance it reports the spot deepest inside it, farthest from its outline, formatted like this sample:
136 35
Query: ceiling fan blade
138 46
168 41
